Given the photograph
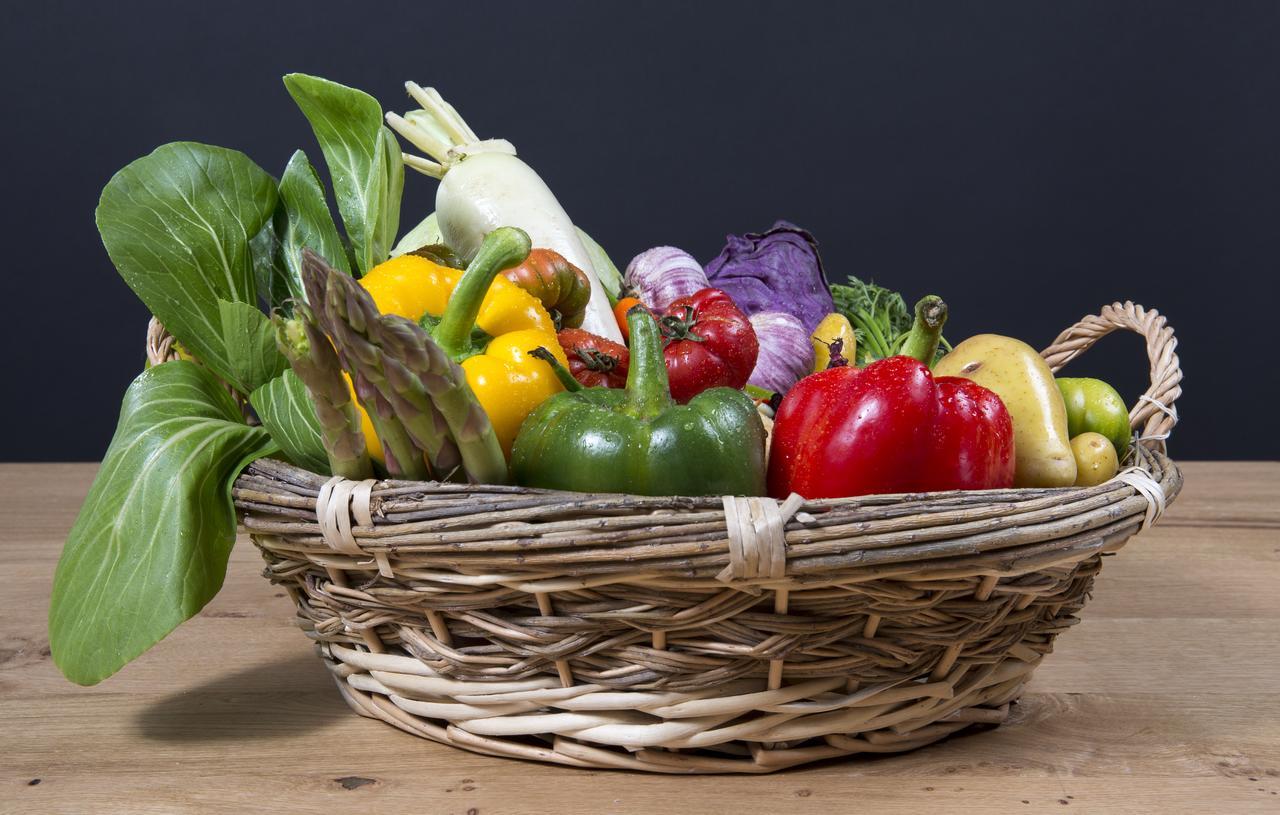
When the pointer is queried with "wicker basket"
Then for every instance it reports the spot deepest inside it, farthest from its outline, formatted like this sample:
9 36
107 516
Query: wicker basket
694 635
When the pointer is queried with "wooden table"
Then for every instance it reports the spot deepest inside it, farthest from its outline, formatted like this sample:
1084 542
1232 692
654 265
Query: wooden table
1165 699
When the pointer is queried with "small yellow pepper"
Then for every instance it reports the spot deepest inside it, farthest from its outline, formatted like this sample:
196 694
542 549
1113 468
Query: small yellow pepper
508 382
833 328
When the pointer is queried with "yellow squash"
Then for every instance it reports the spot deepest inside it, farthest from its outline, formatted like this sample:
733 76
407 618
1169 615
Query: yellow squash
834 328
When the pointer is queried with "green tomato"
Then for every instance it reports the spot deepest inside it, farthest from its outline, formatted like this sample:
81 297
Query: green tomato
1093 406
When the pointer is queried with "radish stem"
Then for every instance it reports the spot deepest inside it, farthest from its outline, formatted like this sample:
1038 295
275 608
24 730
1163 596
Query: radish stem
420 137
424 166
446 116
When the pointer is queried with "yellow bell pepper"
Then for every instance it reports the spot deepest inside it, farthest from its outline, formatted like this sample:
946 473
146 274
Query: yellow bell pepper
508 382
833 328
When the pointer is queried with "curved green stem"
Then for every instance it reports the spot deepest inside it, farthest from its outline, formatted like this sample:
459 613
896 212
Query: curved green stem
502 248
562 373
926 331
880 345
648 389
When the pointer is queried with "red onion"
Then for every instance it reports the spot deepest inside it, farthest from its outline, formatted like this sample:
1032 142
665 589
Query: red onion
786 354
663 274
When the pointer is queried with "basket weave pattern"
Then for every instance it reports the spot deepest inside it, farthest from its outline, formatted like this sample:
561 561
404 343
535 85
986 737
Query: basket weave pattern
677 634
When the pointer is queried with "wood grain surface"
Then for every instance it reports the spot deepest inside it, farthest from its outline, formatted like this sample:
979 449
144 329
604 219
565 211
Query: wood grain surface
1165 699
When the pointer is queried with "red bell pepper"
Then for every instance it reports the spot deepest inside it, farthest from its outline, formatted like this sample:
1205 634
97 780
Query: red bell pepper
709 343
593 360
891 427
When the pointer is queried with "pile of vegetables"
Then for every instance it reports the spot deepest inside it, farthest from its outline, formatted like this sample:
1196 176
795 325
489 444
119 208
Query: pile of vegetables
495 342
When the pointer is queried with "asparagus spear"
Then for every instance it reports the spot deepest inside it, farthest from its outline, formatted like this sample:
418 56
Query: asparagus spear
398 378
415 360
414 381
343 315
408 396
316 363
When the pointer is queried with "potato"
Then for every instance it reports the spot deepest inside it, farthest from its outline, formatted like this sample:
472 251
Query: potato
1096 459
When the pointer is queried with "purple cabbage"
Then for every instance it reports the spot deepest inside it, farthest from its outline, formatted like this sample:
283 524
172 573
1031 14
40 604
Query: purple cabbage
664 274
777 270
786 354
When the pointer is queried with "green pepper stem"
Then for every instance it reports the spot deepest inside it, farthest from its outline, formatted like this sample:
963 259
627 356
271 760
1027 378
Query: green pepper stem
501 249
648 389
562 373
926 331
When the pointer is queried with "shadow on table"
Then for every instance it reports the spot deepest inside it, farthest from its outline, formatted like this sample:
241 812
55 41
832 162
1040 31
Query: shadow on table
270 700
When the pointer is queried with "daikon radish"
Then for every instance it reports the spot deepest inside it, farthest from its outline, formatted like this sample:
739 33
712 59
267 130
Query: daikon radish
483 186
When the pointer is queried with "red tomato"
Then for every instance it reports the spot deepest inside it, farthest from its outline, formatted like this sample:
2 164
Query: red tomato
593 360
710 343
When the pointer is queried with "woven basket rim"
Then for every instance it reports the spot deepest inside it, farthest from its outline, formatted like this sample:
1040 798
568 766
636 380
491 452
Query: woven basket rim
1153 461
485 527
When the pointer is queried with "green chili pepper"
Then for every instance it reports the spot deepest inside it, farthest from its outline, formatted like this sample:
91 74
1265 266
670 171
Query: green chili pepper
638 440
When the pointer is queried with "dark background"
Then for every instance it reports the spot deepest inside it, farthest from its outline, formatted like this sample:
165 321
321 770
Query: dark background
1028 161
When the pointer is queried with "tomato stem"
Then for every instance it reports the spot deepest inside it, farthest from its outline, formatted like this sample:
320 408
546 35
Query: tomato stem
680 328
597 360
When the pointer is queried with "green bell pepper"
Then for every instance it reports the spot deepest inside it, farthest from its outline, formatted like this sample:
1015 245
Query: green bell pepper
1093 406
638 440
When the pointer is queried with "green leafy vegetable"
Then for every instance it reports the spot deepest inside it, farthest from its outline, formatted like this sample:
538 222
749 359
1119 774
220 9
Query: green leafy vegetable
426 233
301 219
610 277
200 233
269 271
440 255
307 222
393 172
251 346
289 416
150 545
363 158
177 224
880 316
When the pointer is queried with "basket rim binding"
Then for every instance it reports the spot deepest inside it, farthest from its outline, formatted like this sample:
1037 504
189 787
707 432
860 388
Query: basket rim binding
460 525
487 617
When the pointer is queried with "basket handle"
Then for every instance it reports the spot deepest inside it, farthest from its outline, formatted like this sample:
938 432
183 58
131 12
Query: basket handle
1154 415
162 348
160 344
